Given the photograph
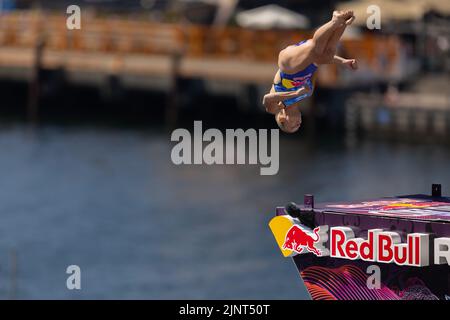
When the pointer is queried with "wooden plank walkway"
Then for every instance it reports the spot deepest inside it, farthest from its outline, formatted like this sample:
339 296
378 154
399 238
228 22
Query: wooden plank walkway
112 45
142 65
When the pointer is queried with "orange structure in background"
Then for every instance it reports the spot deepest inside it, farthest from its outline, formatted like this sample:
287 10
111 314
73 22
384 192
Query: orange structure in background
122 37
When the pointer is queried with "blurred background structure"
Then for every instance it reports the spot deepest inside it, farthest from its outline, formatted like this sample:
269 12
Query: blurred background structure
230 47
85 162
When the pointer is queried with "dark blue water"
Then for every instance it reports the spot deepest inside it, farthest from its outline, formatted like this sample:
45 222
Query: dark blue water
111 201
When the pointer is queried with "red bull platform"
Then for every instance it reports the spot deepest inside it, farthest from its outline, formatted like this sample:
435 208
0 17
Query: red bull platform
395 248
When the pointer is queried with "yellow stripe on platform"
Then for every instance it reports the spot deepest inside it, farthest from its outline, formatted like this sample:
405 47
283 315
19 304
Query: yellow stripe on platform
280 226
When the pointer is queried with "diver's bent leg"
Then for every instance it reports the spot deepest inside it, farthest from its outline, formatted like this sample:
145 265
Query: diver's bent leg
323 35
332 44
296 58
328 54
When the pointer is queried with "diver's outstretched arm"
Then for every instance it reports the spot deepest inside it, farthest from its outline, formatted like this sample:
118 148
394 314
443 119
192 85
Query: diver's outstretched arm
272 100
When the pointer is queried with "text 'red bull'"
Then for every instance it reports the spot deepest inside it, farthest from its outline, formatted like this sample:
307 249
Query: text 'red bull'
380 246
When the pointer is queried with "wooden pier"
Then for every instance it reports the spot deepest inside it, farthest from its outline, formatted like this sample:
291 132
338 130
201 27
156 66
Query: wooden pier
114 45
411 115
147 55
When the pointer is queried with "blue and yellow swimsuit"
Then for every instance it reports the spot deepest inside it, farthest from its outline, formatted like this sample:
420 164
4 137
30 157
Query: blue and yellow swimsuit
291 82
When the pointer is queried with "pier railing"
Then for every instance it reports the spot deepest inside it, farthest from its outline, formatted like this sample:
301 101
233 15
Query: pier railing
405 115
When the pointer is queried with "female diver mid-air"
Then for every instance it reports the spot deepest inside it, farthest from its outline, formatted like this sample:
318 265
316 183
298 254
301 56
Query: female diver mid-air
294 81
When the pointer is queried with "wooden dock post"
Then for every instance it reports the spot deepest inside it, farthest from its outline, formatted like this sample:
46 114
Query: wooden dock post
173 101
34 91
351 122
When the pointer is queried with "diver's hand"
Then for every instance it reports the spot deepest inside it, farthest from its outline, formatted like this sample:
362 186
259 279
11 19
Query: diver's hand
276 97
350 63
273 101
303 90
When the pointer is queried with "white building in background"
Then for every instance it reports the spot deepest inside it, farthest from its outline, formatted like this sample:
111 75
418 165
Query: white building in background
272 17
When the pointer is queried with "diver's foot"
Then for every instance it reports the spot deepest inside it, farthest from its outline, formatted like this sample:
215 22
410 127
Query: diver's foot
341 18
350 20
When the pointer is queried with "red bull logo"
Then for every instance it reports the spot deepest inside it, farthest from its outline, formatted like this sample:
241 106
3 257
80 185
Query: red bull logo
373 245
298 239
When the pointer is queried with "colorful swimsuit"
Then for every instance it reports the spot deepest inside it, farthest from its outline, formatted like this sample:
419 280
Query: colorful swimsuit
291 82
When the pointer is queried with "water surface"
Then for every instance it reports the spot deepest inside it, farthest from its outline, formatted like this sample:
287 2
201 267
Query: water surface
111 201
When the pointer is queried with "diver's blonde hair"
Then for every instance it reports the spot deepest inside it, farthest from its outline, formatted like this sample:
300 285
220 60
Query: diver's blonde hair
280 124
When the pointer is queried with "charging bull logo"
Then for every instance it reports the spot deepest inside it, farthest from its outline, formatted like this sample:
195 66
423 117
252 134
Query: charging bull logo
298 239
294 238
